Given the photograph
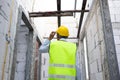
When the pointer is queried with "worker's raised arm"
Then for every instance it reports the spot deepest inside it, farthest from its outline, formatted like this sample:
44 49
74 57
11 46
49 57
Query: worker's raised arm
52 34
45 45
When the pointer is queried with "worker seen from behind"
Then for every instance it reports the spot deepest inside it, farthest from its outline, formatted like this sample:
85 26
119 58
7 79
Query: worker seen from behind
62 61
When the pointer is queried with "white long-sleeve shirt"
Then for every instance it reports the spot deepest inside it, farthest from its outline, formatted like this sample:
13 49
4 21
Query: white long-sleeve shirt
45 47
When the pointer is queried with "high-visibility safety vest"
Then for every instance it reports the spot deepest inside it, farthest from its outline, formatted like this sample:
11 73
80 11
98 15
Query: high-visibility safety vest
62 61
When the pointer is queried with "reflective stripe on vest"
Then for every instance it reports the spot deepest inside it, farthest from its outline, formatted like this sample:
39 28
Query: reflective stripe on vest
62 60
62 65
62 77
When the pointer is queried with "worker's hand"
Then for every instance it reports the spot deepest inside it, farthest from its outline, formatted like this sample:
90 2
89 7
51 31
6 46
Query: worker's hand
52 34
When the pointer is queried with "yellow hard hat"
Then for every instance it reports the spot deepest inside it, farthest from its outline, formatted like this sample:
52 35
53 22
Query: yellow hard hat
63 31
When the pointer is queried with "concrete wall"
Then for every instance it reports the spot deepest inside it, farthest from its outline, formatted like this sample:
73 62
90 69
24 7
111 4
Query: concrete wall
8 25
95 43
44 66
115 14
37 65
22 39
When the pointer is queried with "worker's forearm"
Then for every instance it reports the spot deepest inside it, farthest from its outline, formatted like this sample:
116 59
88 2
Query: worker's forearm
44 47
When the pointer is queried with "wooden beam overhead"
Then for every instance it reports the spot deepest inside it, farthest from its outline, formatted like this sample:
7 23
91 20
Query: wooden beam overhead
55 13
51 14
40 12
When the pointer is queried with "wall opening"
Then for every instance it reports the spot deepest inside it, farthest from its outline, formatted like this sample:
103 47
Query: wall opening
22 56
